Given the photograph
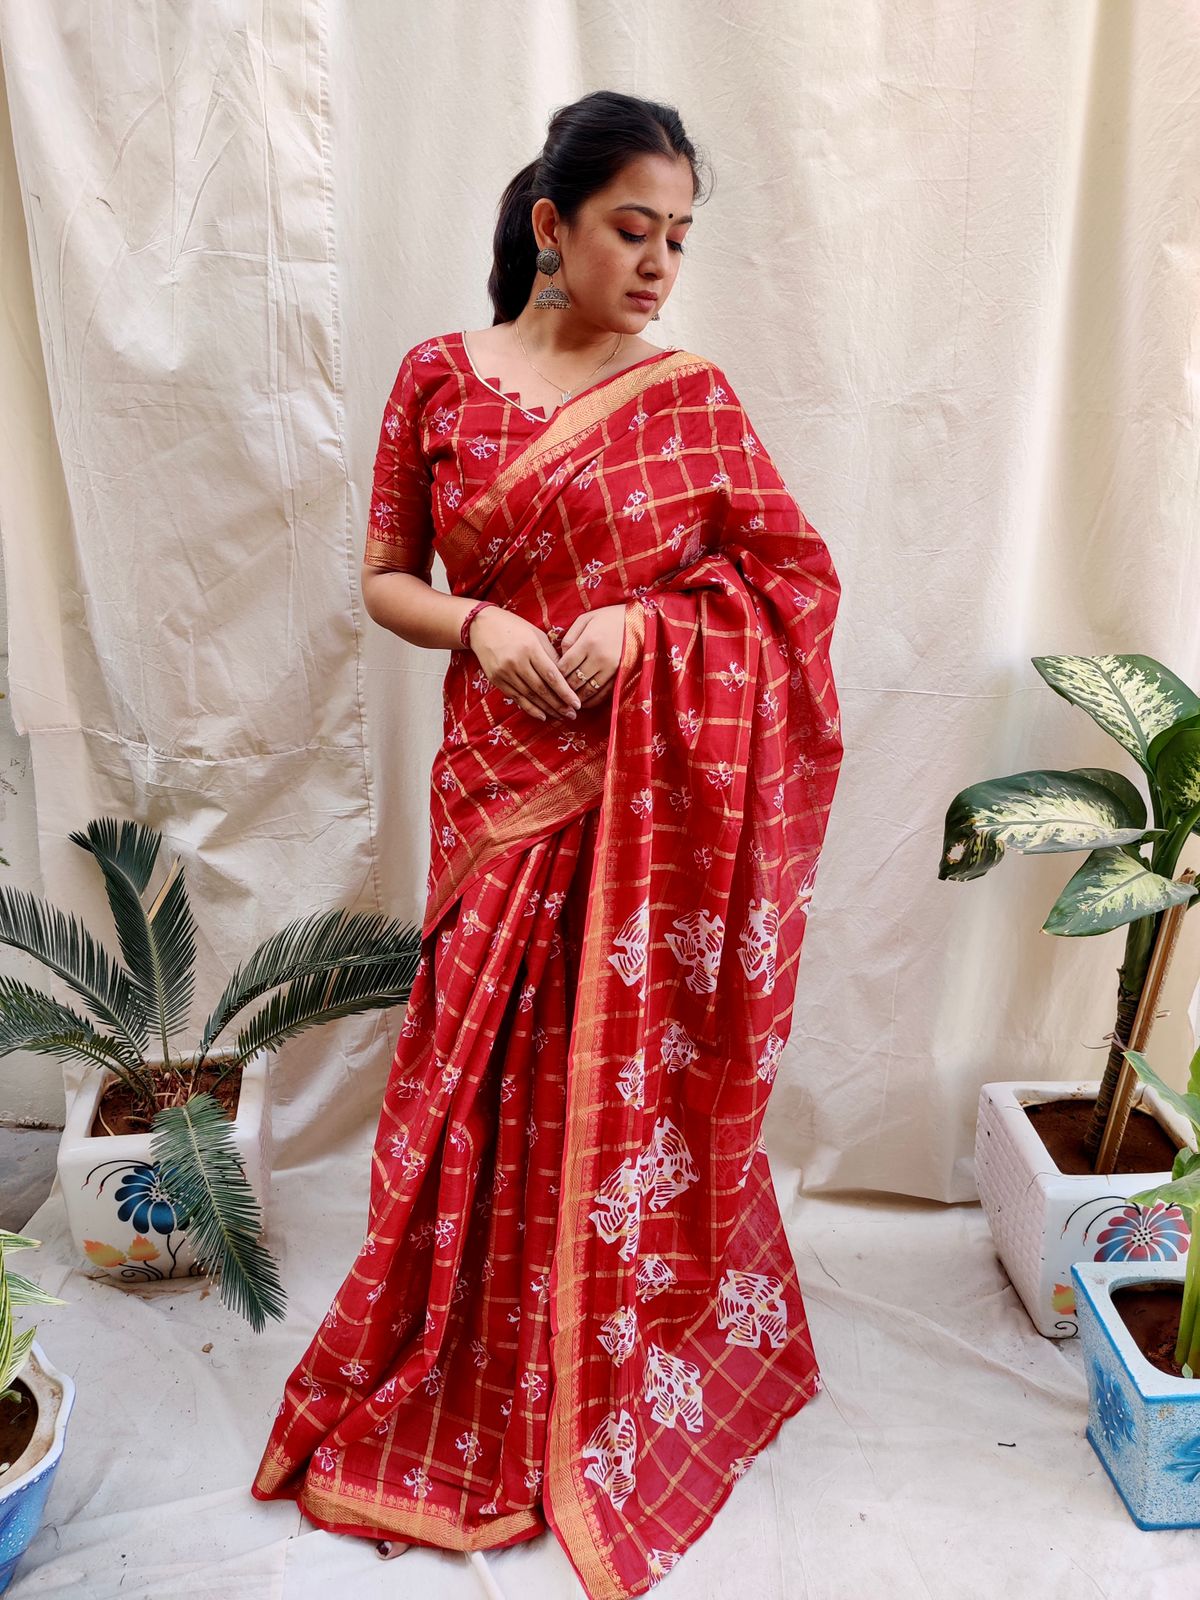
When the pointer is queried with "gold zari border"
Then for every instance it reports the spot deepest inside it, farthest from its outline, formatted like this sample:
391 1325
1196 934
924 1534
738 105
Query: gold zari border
570 420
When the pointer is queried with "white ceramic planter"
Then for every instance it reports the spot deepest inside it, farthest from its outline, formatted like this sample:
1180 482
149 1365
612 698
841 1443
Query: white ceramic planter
1044 1220
120 1220
1143 1424
25 1486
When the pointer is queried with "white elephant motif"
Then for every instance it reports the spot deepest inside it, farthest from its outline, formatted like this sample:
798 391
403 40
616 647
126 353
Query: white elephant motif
678 1048
758 942
674 1386
632 1080
618 1334
618 1213
666 1165
751 1304
659 1563
631 948
697 947
612 1448
663 1169
768 1061
652 1277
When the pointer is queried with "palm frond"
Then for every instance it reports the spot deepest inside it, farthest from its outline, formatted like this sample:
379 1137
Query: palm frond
159 943
323 996
315 944
60 942
200 1169
31 1020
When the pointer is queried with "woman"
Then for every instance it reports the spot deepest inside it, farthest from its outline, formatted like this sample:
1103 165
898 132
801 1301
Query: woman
575 1305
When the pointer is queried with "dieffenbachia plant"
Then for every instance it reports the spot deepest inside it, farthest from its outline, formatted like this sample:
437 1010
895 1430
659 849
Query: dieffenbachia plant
1182 1191
1128 876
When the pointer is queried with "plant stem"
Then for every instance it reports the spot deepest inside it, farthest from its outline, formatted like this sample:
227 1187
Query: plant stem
1187 1346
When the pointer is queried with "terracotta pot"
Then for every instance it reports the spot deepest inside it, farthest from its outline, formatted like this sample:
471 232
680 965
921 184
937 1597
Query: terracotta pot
1044 1220
121 1225
25 1486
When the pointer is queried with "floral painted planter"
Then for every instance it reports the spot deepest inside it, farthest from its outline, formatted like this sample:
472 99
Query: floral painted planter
1044 1220
25 1487
1144 1424
120 1220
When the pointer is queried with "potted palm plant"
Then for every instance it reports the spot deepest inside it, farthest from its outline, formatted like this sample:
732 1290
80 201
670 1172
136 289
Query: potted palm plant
1139 1326
158 1182
35 1403
1050 1197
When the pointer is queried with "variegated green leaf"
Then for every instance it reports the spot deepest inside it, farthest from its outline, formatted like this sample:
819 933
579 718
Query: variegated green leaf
1185 1161
1127 792
1110 889
1132 697
1177 766
1035 812
25 1292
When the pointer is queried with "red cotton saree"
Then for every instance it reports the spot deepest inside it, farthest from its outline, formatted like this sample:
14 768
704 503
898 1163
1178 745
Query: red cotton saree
575 1305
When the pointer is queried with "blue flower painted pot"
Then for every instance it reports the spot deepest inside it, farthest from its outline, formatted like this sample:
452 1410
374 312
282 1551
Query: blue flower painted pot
25 1486
1144 1424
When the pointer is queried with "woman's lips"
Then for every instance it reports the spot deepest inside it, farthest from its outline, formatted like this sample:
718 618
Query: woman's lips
644 300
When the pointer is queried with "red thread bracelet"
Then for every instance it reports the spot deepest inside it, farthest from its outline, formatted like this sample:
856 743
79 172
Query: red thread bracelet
464 631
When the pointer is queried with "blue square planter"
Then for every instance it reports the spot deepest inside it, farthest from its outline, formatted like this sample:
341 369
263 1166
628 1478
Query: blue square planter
1142 1423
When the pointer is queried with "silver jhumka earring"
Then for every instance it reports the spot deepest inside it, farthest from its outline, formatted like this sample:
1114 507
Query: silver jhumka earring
552 298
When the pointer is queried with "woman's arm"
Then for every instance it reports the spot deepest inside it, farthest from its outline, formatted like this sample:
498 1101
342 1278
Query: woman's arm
407 605
516 655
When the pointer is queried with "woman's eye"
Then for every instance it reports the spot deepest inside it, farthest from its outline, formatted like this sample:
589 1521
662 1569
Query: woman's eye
640 238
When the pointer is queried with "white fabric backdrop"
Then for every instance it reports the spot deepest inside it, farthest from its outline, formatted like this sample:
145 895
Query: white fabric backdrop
950 263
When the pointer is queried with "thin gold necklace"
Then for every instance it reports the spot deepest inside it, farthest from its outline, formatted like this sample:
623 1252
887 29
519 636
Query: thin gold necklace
567 393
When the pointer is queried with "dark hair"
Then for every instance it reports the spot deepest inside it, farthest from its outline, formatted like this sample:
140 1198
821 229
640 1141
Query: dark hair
587 144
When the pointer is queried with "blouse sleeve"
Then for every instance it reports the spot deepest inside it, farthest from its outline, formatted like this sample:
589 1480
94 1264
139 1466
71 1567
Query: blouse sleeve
400 523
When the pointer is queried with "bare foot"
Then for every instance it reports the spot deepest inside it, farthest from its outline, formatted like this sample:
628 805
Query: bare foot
388 1549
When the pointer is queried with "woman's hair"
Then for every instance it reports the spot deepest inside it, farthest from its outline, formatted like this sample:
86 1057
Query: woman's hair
587 144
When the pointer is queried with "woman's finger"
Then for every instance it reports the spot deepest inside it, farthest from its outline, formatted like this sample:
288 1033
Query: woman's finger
557 682
534 689
527 705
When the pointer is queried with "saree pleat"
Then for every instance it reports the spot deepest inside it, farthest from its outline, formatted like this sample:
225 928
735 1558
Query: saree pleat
449 1445
575 1305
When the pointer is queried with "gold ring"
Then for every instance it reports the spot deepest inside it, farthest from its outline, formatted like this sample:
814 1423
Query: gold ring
593 681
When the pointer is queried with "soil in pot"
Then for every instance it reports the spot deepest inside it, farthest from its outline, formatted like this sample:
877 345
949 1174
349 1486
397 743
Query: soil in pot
1151 1313
1146 1146
18 1421
120 1111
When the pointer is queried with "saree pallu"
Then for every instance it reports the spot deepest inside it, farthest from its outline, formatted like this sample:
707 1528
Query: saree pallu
575 1304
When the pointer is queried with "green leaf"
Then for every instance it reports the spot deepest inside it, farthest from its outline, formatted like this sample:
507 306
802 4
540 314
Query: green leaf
31 1020
1132 697
159 944
314 947
1177 767
25 1292
203 1176
1110 889
1187 1105
1036 812
1181 1192
62 944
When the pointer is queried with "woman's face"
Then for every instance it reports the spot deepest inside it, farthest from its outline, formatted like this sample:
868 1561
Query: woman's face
616 246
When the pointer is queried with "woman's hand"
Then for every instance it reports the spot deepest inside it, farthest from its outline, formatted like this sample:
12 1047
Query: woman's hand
519 658
593 642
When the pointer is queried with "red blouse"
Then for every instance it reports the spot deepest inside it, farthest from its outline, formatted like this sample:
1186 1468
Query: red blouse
445 434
